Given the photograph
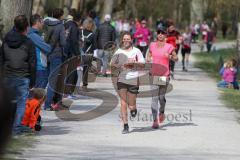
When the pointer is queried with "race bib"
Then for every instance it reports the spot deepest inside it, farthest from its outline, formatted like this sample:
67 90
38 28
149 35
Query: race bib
131 75
143 44
159 80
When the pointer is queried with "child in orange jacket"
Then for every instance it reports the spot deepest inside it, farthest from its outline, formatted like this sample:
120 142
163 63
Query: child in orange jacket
32 116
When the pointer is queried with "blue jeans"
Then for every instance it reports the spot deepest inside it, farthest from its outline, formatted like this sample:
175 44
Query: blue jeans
41 79
55 62
235 84
21 87
222 84
104 56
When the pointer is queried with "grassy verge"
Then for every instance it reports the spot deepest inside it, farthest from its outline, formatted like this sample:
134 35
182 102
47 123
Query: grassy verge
211 64
16 146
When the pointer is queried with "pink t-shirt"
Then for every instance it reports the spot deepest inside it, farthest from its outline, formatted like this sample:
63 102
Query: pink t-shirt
144 40
160 59
228 75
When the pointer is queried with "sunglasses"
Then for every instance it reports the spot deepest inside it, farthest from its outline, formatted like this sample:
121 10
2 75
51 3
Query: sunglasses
161 32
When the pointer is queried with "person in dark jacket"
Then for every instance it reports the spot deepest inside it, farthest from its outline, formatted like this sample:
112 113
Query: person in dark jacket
72 35
72 51
7 114
42 50
18 61
88 47
104 34
55 36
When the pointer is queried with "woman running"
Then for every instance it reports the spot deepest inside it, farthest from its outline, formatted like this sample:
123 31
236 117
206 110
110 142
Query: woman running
125 59
160 53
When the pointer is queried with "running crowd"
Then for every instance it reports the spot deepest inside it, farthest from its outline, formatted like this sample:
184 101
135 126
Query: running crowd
39 58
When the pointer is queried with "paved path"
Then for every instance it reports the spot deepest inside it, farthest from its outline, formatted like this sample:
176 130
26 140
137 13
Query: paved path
203 129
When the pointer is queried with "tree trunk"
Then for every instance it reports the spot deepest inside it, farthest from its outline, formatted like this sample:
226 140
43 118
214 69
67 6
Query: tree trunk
39 7
108 7
238 48
196 11
75 4
11 8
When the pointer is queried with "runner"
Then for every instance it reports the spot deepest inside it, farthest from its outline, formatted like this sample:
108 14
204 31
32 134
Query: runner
186 48
143 36
160 53
127 83
172 38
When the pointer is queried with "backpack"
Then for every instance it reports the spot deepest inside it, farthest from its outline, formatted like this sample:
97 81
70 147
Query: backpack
84 41
48 36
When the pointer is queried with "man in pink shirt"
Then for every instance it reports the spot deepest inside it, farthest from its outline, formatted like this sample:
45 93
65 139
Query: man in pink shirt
160 53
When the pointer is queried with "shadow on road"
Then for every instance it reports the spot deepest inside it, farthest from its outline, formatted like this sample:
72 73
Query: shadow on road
162 127
53 130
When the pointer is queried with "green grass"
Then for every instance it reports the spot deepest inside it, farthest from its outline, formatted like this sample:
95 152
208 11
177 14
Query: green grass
230 37
17 145
211 63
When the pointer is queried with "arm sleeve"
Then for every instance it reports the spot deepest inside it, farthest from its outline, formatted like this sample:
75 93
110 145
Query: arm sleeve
39 42
74 40
221 70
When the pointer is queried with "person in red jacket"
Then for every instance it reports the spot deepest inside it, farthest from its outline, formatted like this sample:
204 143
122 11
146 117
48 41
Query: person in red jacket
32 116
172 38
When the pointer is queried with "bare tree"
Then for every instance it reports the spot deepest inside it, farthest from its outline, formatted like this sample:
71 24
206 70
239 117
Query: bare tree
196 10
108 7
39 7
11 8
75 4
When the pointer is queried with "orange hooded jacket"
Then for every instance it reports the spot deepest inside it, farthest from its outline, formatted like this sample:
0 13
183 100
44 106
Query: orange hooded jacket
32 113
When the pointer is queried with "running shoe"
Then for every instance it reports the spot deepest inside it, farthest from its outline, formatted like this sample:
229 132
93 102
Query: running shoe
155 124
125 129
161 117
172 75
55 107
133 113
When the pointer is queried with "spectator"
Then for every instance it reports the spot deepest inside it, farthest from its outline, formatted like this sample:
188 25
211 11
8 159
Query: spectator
228 74
92 15
235 81
55 36
104 34
7 114
18 58
87 37
42 50
32 117
72 50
